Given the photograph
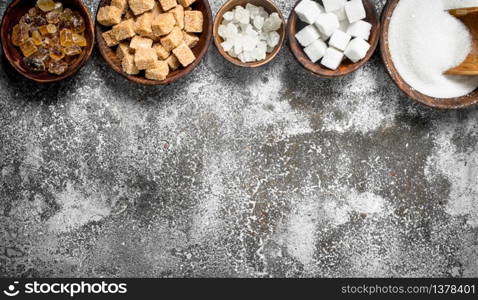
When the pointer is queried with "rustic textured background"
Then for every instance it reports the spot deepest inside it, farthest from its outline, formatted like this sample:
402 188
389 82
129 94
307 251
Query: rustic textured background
234 172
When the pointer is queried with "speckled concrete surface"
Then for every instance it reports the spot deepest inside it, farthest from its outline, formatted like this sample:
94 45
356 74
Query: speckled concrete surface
233 172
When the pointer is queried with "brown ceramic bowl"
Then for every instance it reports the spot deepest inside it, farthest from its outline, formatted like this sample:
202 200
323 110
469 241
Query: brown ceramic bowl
270 7
109 54
347 66
15 10
450 103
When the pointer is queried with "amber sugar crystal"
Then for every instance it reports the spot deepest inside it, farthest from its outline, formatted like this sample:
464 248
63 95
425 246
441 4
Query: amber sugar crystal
79 40
57 67
50 37
72 50
28 48
78 23
66 38
37 38
53 17
56 52
16 35
46 5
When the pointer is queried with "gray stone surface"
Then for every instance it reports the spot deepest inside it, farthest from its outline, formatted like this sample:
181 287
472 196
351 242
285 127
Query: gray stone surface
234 172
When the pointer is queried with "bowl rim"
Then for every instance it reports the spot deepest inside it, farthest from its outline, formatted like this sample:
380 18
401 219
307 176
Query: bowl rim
433 102
217 39
293 44
143 80
89 48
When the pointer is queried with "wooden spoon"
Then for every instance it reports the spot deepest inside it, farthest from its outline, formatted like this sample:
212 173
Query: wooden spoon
469 16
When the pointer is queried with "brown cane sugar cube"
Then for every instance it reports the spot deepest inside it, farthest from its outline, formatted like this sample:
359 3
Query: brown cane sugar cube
193 21
109 15
138 42
178 13
168 4
142 26
128 65
124 30
173 62
190 39
184 55
154 65
186 3
152 36
109 38
159 72
161 51
172 40
163 24
128 14
144 58
121 4
140 6
157 10
122 50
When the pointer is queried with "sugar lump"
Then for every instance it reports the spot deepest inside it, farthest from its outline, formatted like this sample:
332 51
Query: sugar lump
332 58
360 29
307 35
334 29
340 40
357 49
308 11
355 10
316 50
327 23
333 5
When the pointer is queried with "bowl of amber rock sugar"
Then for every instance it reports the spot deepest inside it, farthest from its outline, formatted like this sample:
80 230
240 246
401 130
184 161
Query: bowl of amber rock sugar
45 40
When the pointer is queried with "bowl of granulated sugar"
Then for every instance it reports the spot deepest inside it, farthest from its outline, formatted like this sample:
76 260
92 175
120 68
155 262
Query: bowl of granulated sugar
420 41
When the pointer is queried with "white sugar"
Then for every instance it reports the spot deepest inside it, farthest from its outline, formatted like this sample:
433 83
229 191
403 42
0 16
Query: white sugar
425 41
249 33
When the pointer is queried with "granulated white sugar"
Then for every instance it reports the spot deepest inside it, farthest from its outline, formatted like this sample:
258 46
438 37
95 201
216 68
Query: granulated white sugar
425 41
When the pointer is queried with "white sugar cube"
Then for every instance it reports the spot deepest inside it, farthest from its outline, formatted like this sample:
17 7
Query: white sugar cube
340 13
307 35
344 25
360 29
355 10
308 11
357 49
272 23
340 40
333 5
241 15
316 50
332 58
327 23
